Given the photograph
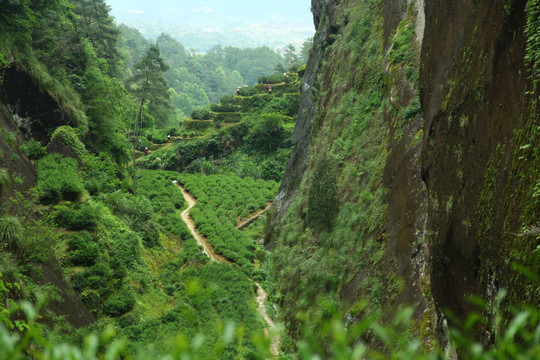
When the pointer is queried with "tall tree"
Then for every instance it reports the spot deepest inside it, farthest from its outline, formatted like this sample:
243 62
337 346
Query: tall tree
150 88
98 26
291 58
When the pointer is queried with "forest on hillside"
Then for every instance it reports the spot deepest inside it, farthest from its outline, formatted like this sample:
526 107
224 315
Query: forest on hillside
198 79
91 227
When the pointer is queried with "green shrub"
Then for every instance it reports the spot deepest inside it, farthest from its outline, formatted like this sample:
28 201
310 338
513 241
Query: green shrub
33 149
150 234
227 117
274 79
100 174
228 107
247 91
197 125
120 303
174 224
158 187
413 109
68 136
286 105
202 166
83 217
157 136
142 143
83 251
173 131
126 247
268 133
227 99
401 51
322 202
201 114
96 277
254 101
10 139
58 179
273 167
94 282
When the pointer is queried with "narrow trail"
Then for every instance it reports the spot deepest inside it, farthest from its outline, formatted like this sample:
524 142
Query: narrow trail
209 250
160 147
241 224
201 240
261 297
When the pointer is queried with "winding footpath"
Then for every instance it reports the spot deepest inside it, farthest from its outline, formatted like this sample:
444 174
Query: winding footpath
241 224
209 250
201 240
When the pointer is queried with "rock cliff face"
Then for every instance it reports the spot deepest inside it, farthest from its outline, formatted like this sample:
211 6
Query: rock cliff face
456 175
357 145
480 150
22 172
38 111
21 96
301 138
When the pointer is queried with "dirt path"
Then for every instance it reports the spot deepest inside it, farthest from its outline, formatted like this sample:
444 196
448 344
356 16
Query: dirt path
241 224
261 297
208 250
201 240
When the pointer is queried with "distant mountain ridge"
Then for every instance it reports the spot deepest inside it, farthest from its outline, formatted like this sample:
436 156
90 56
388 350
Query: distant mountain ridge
201 25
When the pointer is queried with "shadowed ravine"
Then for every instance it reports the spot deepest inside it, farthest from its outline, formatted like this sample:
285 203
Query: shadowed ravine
209 250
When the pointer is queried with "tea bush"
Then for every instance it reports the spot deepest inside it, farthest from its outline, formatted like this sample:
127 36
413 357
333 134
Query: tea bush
120 303
83 217
222 200
174 224
201 114
99 174
83 250
158 187
224 107
274 79
58 179
157 136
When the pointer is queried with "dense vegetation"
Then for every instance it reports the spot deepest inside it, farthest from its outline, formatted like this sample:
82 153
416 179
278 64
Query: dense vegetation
342 197
131 260
199 79
93 267
222 201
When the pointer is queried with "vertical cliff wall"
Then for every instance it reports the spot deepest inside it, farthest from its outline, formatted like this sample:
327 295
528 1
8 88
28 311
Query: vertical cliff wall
480 157
408 188
349 223
22 177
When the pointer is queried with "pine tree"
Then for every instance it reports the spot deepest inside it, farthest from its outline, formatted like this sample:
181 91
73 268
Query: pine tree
98 26
150 88
291 58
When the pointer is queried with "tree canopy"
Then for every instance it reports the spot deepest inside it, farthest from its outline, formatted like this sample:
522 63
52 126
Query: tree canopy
150 87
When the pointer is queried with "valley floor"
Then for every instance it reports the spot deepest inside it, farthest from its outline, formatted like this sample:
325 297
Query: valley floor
209 251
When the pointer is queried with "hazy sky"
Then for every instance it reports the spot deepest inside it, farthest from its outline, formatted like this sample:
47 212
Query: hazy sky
221 14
